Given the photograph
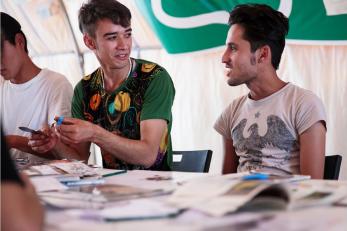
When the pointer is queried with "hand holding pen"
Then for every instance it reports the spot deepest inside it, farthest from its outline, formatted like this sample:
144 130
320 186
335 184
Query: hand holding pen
75 131
43 140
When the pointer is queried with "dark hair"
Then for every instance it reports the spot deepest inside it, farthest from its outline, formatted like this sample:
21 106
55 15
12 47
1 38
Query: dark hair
95 10
262 26
9 28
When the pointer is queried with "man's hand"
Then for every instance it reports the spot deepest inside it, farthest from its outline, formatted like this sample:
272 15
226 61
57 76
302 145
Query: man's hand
75 131
43 143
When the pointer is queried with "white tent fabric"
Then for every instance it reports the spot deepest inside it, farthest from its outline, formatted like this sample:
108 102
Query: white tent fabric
201 89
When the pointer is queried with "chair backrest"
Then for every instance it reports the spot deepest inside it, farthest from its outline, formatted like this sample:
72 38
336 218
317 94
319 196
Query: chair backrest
191 161
332 167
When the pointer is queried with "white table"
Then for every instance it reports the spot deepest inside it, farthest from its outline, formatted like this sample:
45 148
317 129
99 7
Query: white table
314 218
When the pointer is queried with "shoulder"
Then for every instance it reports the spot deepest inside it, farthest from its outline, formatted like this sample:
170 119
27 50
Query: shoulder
302 96
151 68
231 110
55 79
54 76
237 103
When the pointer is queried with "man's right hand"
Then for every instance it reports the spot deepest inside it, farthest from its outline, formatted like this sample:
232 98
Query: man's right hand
43 143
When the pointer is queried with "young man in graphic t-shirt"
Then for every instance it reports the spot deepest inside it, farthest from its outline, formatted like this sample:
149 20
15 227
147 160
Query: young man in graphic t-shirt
278 127
125 105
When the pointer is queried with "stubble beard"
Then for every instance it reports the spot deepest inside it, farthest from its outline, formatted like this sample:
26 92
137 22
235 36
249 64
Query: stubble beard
243 78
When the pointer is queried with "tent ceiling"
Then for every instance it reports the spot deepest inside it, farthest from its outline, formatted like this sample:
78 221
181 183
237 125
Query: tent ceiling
51 26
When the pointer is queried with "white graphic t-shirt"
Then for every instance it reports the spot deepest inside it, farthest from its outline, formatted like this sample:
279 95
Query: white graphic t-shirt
265 132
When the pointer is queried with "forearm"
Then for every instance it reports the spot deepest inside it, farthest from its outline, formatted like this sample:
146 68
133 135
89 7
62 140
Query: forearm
140 152
21 143
66 151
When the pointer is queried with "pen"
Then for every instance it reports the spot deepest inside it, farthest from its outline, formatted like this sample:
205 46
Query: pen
113 173
85 182
256 176
60 120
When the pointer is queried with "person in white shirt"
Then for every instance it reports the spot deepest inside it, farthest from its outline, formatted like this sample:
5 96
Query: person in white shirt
30 96
277 127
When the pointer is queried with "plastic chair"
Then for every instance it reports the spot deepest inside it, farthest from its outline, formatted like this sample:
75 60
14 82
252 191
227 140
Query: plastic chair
332 167
191 161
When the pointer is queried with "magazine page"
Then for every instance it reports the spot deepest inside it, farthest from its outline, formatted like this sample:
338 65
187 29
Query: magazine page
317 192
218 196
97 196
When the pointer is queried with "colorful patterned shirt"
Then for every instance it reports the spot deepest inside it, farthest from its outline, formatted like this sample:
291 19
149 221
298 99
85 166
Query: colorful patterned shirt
147 93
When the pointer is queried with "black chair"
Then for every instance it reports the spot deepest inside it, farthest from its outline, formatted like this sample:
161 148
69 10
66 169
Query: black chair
332 167
191 161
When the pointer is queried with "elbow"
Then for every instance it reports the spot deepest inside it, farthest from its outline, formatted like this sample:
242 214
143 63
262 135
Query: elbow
150 159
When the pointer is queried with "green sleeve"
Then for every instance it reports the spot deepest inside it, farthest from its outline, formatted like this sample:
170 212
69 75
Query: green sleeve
159 97
77 102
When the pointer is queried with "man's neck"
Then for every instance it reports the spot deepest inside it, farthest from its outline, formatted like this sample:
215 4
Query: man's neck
28 71
265 86
113 78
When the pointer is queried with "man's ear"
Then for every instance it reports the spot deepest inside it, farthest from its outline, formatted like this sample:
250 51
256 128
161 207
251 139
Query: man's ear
264 54
89 41
19 40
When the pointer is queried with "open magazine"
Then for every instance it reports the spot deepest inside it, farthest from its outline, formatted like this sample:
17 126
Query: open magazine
218 196
96 196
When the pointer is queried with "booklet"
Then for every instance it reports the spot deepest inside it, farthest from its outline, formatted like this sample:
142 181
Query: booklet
218 196
97 196
69 170
139 209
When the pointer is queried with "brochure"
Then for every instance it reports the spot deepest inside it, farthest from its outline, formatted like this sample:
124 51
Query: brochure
97 196
218 196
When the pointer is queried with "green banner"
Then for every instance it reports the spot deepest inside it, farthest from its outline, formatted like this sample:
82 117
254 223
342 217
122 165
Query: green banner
193 25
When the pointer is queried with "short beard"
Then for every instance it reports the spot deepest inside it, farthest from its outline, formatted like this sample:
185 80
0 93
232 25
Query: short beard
252 60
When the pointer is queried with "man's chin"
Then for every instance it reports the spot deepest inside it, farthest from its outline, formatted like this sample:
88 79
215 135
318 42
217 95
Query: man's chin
232 82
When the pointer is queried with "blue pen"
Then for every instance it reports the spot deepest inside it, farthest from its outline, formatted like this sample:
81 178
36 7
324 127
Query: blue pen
85 182
60 120
256 176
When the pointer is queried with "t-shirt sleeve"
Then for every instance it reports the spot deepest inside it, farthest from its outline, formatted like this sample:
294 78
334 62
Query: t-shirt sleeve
159 97
310 111
8 171
222 125
77 102
60 104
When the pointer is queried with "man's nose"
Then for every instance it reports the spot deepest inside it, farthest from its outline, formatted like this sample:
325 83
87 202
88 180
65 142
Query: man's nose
121 44
225 57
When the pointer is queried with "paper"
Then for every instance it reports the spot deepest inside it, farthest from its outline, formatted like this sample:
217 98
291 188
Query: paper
46 183
220 195
45 170
97 196
138 209
75 168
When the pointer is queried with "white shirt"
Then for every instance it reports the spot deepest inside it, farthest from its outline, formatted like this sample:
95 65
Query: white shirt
34 104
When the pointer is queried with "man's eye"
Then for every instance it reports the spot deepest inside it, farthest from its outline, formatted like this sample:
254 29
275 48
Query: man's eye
232 47
111 38
128 35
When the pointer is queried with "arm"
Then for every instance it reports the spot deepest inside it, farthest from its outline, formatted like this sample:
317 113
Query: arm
52 146
21 143
17 195
312 151
143 152
231 160
20 206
